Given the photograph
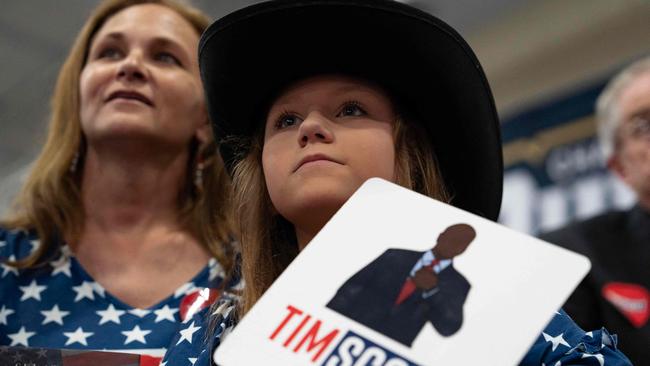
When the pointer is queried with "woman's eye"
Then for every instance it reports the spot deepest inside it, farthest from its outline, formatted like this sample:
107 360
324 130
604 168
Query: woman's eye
168 58
352 109
110 53
287 120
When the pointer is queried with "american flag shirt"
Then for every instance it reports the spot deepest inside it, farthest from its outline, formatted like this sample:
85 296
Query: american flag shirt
58 305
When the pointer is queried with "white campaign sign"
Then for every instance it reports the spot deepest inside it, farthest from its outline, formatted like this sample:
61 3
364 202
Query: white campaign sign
485 306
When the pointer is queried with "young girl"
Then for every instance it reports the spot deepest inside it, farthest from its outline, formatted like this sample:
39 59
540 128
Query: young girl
311 98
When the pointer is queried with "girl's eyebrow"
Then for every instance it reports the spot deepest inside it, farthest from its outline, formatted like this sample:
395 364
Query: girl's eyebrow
344 89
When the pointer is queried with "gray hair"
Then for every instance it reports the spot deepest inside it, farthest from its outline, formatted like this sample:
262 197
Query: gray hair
607 109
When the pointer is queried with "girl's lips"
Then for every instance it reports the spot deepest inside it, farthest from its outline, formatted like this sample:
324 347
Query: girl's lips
313 158
131 95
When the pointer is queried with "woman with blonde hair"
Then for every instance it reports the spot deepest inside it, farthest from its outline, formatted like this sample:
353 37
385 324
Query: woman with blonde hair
358 89
124 213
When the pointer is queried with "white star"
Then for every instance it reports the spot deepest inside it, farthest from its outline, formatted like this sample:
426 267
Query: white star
7 268
187 333
78 336
192 360
21 337
42 353
54 315
600 358
139 312
61 265
84 291
606 341
135 334
216 270
33 291
590 334
35 244
110 315
556 341
184 289
2 243
98 289
239 286
166 313
66 251
163 363
4 313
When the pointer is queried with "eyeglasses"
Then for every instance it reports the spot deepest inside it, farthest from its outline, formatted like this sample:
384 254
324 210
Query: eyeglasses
637 127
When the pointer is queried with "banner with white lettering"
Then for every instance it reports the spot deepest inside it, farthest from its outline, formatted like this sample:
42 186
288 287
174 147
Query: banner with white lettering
555 171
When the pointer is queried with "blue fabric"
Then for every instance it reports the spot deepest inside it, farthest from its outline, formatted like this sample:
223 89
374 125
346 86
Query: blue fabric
58 305
562 342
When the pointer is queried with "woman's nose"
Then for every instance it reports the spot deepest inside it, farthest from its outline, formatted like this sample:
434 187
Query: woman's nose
132 67
315 128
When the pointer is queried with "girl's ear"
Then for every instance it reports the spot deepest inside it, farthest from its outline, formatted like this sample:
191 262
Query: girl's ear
204 134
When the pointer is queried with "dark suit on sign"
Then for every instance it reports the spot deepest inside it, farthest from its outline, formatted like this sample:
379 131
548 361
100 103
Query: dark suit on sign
369 297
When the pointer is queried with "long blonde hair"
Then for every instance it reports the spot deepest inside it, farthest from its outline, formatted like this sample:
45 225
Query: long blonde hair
268 243
50 200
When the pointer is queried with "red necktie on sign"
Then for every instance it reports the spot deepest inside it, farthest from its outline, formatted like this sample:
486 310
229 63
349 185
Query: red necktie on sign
409 285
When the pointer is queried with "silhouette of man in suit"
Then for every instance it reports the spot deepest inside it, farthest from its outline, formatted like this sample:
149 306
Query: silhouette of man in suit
401 290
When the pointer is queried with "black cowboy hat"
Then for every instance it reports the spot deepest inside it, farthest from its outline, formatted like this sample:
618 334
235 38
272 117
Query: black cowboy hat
247 57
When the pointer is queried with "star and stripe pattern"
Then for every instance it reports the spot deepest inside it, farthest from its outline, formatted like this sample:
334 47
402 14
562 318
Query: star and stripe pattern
58 305
195 343
563 342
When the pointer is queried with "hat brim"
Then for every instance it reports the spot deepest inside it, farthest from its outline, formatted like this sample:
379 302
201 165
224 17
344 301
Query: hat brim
247 57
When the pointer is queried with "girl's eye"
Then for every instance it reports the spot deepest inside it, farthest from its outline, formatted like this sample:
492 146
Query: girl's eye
167 58
351 109
287 120
110 53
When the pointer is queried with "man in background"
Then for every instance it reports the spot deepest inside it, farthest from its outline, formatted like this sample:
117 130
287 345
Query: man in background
616 293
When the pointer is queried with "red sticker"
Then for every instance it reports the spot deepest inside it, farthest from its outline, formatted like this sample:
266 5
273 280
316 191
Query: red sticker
630 299
197 300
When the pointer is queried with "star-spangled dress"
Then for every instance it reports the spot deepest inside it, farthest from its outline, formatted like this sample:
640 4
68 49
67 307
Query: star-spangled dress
562 342
59 305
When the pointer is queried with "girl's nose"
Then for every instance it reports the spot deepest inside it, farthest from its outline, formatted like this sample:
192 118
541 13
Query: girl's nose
315 128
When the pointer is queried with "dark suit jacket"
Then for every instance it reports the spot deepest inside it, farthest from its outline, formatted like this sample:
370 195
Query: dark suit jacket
618 245
369 298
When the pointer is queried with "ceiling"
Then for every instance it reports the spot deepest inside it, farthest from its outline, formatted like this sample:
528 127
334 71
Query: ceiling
527 47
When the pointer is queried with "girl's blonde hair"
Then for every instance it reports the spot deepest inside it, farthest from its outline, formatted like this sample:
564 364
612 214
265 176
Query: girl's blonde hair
268 242
50 200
